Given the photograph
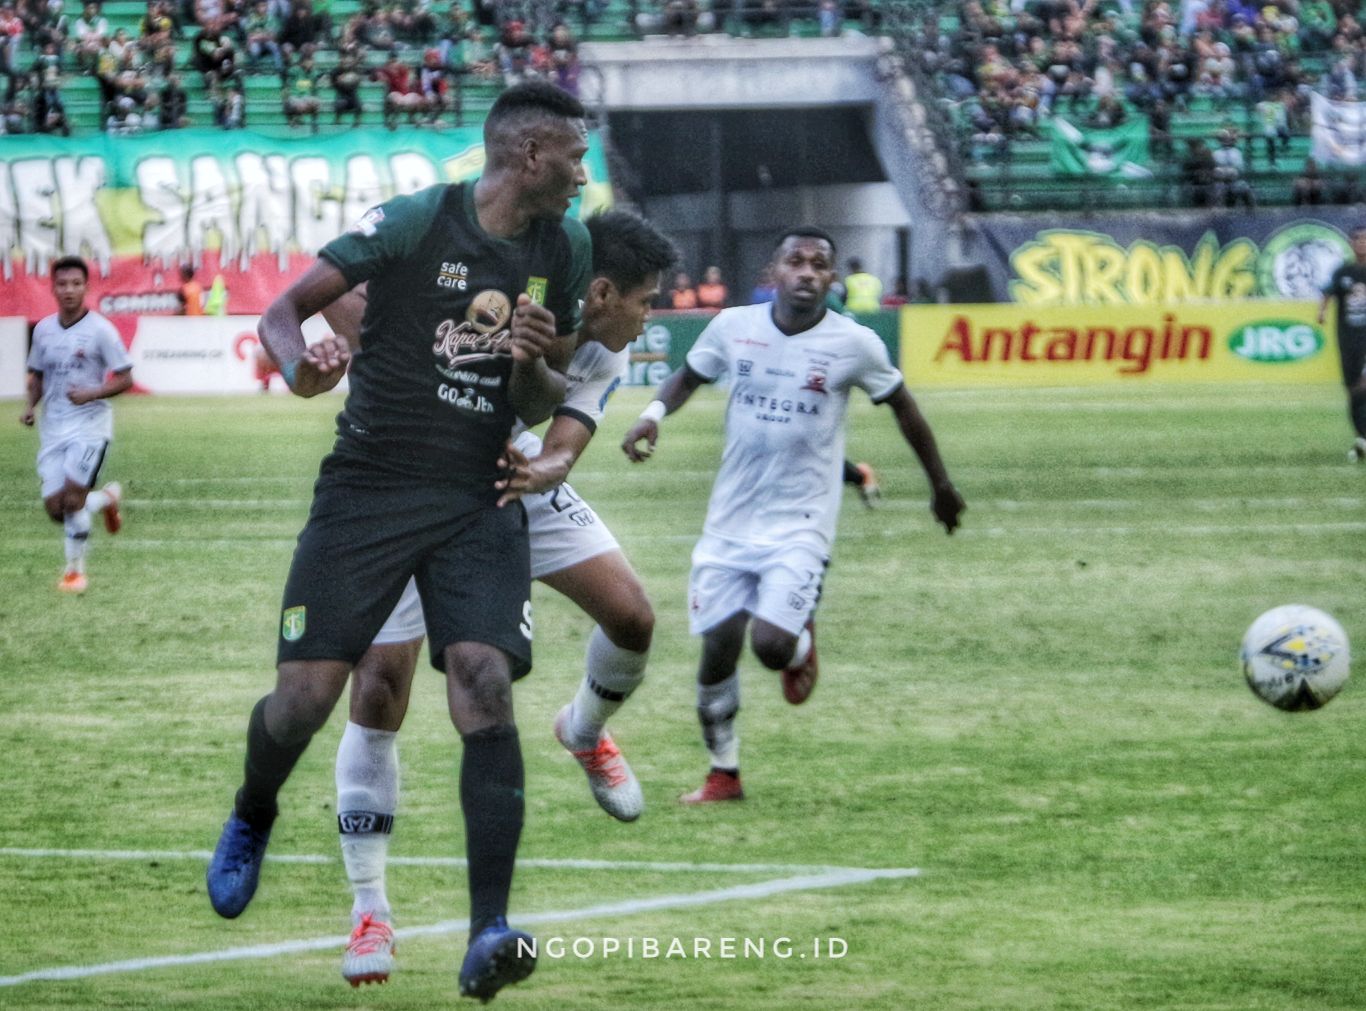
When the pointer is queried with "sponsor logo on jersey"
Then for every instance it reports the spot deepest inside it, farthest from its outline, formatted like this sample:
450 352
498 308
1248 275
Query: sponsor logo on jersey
817 373
369 222
293 622
1276 340
780 409
455 276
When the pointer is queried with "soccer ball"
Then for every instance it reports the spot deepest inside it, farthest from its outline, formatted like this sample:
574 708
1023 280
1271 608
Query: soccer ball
1296 657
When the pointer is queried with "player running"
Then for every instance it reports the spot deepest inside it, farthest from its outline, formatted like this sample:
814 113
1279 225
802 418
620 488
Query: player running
572 551
1348 286
77 363
771 519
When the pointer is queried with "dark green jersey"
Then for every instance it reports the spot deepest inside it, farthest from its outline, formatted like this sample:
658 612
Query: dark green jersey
1348 283
429 384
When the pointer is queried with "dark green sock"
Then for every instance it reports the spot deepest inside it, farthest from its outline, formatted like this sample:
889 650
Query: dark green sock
491 782
267 766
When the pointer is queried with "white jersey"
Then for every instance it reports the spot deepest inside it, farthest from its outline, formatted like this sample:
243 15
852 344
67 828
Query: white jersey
80 355
592 376
782 468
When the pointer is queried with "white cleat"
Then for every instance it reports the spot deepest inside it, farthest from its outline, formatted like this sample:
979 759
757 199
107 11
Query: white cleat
614 785
369 957
1357 454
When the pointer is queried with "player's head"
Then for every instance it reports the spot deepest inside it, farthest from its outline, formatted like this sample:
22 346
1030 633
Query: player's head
187 272
70 275
803 269
1358 240
535 133
629 255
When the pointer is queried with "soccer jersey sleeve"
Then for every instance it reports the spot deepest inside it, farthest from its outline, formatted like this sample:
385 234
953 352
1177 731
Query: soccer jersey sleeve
594 374
111 348
876 375
567 293
35 353
384 235
709 357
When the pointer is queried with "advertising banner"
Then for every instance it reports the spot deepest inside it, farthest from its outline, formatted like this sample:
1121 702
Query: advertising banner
248 208
1120 151
13 357
1011 345
1152 258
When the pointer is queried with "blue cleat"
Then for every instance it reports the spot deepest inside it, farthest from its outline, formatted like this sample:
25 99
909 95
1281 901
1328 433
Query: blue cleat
236 866
498 957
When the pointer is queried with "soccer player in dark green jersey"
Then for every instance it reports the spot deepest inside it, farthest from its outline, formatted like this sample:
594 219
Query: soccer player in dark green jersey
1348 286
474 295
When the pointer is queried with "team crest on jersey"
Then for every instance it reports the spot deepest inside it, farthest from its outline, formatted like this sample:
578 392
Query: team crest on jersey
817 373
293 622
369 222
536 288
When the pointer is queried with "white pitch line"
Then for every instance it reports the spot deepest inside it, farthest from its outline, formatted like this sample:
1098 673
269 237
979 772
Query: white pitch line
760 890
202 856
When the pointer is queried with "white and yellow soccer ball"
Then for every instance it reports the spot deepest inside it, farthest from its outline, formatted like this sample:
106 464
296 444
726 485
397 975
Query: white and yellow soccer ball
1296 657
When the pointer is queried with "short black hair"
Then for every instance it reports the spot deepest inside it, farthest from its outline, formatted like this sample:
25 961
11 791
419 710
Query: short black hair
523 107
71 263
1357 229
806 232
627 249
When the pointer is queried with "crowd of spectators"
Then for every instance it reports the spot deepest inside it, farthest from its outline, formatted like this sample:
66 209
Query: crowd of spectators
1008 66
418 52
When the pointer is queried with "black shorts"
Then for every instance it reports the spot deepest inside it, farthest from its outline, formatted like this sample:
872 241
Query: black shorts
367 534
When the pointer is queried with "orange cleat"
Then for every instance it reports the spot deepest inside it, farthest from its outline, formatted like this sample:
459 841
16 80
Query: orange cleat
369 957
869 491
800 681
113 519
614 785
73 582
718 786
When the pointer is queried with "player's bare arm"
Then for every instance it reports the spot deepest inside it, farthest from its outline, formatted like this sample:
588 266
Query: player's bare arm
315 369
346 314
565 440
945 502
539 357
33 392
118 382
673 393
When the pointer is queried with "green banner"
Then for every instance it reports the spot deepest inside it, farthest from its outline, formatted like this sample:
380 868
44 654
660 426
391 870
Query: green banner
1119 152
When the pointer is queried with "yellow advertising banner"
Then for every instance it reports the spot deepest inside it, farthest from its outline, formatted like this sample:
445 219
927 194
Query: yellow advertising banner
1081 345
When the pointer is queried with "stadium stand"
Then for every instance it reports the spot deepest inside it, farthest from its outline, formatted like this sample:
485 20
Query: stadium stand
1212 97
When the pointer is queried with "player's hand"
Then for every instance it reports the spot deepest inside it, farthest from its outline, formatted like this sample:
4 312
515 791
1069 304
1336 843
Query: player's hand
516 479
533 330
26 419
81 395
947 505
322 367
645 429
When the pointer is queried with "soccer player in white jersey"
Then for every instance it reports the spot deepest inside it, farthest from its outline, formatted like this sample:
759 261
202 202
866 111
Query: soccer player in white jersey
571 551
76 364
771 519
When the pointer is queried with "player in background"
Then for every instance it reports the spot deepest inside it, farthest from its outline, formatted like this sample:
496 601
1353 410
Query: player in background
572 551
1348 286
77 363
771 519
472 288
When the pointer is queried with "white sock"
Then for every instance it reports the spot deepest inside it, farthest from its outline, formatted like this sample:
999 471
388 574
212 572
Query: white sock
77 527
367 796
716 708
802 650
611 675
95 502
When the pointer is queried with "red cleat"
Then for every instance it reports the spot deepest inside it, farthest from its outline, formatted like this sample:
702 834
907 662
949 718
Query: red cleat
800 681
718 786
369 957
113 520
73 582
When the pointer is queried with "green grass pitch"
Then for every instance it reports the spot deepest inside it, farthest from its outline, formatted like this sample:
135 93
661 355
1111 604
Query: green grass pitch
1043 714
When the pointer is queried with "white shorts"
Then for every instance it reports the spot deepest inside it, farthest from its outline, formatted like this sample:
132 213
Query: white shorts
780 583
77 460
564 531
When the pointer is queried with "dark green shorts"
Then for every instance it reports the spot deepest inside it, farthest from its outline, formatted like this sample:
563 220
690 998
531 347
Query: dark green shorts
367 534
